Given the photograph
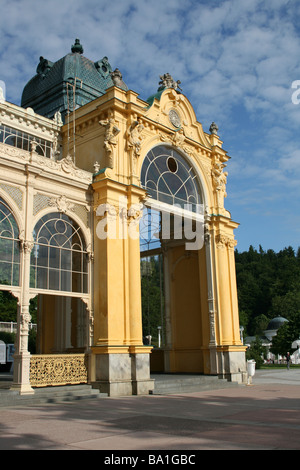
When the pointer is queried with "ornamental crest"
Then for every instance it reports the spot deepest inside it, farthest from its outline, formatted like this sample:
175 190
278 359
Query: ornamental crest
166 81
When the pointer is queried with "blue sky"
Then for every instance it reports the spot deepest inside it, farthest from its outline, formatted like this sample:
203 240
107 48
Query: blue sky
236 61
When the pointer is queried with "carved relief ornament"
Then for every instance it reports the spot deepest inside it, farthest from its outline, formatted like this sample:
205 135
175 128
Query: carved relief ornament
110 139
134 142
219 180
224 241
61 204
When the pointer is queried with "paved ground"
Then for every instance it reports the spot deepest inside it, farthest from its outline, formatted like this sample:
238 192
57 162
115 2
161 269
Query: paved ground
261 416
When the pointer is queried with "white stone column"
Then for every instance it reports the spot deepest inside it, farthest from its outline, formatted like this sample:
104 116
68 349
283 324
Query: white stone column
21 379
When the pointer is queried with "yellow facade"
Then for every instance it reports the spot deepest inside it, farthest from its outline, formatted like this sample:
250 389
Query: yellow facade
203 313
103 147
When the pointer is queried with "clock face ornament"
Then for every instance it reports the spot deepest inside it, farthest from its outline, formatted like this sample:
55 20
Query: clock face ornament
174 118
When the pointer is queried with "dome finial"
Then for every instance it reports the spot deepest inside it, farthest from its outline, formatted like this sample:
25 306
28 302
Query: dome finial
77 47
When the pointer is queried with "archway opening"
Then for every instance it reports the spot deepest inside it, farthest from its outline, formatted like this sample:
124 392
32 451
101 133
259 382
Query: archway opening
171 241
59 276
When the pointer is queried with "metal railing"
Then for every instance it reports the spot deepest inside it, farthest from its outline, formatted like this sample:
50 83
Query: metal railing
58 369
11 327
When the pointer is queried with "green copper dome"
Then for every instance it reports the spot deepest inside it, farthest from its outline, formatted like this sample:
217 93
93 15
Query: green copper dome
52 89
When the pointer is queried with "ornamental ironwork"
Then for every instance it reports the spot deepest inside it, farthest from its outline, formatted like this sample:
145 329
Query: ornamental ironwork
58 369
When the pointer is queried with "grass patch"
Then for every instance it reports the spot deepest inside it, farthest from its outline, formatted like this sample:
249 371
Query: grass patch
279 366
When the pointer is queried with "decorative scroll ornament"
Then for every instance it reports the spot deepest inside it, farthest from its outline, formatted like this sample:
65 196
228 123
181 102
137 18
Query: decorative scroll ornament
62 204
135 139
25 245
96 167
219 182
58 369
110 139
116 77
213 128
166 81
212 327
224 241
179 138
25 320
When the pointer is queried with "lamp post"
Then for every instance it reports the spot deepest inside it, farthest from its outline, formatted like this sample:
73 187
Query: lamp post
159 336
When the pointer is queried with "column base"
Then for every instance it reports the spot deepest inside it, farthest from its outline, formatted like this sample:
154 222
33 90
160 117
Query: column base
122 371
230 362
22 389
21 378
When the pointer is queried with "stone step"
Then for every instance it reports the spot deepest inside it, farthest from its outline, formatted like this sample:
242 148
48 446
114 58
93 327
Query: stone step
168 384
68 393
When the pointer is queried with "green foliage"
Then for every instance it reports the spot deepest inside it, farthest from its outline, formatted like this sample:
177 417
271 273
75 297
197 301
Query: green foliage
8 307
7 338
268 286
256 352
152 296
281 343
32 341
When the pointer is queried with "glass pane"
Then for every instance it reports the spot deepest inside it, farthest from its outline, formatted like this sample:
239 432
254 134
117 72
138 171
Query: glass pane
76 261
42 278
33 279
42 256
65 281
166 198
166 168
85 283
5 273
66 259
15 274
6 249
9 246
54 257
76 282
59 249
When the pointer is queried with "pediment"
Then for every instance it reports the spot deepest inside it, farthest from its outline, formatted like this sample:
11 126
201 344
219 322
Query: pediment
174 111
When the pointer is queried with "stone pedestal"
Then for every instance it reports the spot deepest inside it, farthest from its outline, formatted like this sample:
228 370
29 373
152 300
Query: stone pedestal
21 382
231 364
121 372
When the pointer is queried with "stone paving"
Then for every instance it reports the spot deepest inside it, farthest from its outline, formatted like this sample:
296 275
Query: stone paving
262 416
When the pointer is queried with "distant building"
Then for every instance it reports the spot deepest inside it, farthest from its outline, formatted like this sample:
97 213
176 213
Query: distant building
269 333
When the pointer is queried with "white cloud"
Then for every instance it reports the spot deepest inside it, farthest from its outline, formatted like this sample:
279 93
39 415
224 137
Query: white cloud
236 61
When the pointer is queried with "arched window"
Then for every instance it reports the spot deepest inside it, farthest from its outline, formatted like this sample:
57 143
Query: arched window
59 256
168 178
9 247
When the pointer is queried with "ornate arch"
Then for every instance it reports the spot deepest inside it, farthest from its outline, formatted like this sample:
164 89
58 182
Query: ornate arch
65 208
60 254
9 246
168 175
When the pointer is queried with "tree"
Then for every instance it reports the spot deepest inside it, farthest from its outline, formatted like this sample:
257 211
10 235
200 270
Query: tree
8 307
256 351
268 285
152 295
282 342
260 324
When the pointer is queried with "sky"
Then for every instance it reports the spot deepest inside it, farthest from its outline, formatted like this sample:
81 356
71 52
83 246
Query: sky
239 66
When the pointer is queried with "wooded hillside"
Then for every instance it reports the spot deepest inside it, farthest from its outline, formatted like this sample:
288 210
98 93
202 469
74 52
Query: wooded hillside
268 286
